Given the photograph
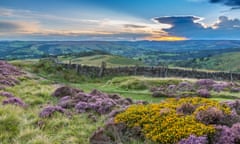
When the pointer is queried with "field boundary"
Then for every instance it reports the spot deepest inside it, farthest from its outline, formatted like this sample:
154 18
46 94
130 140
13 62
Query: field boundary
150 72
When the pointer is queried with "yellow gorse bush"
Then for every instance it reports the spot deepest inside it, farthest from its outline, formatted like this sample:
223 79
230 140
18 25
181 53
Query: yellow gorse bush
161 122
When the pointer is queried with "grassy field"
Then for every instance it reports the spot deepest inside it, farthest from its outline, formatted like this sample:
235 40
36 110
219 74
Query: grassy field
223 62
36 90
27 128
96 60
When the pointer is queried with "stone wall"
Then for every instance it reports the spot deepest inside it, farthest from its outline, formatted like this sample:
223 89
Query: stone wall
151 72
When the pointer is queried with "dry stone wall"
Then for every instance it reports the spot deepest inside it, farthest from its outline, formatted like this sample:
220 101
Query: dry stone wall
151 72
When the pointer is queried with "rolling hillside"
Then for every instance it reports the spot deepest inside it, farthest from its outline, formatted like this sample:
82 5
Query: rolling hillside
224 62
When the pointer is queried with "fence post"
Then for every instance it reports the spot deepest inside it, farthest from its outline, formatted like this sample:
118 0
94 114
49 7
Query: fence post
103 67
135 70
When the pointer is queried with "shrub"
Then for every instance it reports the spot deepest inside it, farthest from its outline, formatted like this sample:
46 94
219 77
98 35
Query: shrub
134 84
230 119
186 108
209 115
227 135
14 101
224 135
236 131
185 86
203 93
234 105
161 122
159 94
6 94
220 86
235 90
65 91
205 83
50 110
194 140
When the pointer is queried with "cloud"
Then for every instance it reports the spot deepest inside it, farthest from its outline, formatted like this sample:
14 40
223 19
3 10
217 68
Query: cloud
5 12
224 23
6 26
191 27
235 4
134 26
10 27
186 26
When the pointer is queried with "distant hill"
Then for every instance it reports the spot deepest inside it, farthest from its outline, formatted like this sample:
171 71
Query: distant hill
151 53
96 60
224 62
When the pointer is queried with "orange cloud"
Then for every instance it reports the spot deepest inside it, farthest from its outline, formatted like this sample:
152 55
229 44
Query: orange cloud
166 38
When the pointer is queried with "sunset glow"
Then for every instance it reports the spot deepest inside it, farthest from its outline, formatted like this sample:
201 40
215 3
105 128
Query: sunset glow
167 38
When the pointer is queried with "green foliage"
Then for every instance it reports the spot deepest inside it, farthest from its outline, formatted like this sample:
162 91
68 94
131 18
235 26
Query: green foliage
49 69
117 60
9 123
76 129
33 92
224 62
96 60
142 83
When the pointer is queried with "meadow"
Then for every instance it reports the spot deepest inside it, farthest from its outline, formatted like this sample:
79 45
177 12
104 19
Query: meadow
24 124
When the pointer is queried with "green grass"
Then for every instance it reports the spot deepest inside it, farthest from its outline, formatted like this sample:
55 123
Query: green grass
22 125
223 62
96 60
36 92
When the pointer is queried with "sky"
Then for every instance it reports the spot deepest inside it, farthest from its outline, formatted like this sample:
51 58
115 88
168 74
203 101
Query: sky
119 20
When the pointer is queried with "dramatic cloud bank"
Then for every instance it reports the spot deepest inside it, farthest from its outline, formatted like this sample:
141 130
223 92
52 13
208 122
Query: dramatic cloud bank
191 27
235 4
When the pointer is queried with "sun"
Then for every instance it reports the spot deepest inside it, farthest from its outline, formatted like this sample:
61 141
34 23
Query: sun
167 38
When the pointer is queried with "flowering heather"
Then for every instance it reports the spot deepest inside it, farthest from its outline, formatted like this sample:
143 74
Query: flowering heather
218 87
65 91
101 106
9 70
236 132
8 74
82 107
186 108
6 94
235 89
50 110
224 135
205 83
227 135
204 93
95 101
171 87
6 82
185 86
194 140
15 101
210 115
234 105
